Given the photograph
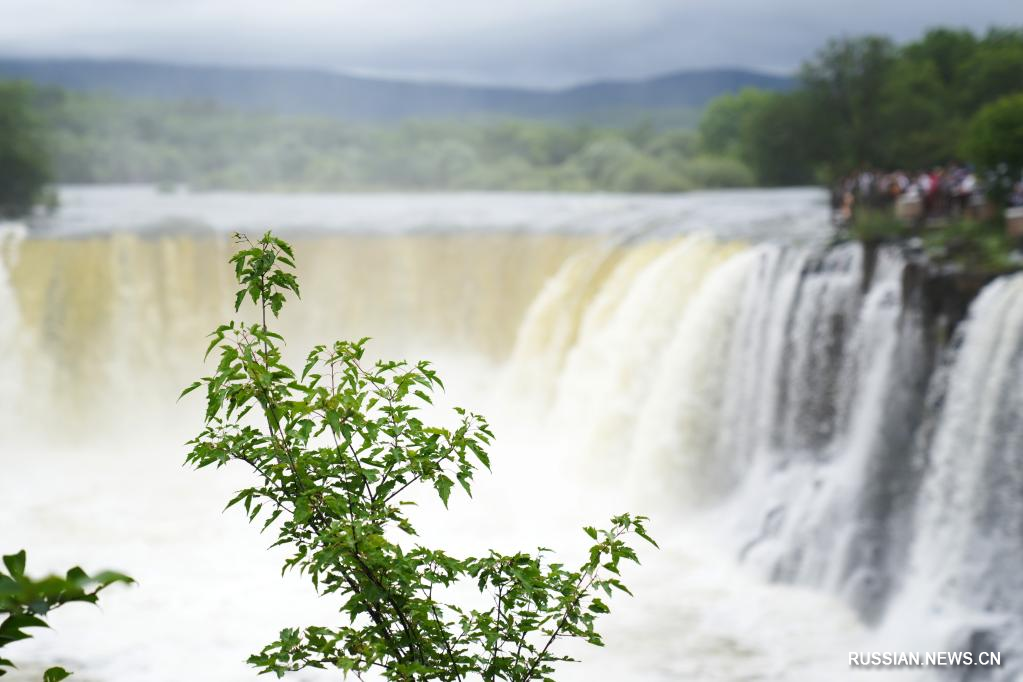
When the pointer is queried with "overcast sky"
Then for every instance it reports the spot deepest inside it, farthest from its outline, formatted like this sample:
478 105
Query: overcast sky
511 42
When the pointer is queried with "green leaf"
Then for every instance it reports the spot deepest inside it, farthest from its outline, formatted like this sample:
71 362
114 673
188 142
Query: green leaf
11 628
443 484
55 674
194 385
107 578
15 564
642 534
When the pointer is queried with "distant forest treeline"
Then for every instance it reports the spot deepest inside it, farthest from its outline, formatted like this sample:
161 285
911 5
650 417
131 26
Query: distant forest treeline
862 102
95 139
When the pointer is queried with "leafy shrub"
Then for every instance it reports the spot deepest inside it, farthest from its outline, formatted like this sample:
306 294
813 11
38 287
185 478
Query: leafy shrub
603 160
338 449
26 601
674 144
870 225
717 172
974 245
648 175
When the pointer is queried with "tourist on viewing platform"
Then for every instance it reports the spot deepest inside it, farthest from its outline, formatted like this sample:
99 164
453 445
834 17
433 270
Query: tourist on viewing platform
952 191
1016 198
926 188
964 189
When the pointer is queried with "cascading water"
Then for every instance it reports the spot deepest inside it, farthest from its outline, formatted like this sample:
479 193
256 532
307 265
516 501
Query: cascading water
841 422
786 408
631 323
963 568
11 372
792 402
680 416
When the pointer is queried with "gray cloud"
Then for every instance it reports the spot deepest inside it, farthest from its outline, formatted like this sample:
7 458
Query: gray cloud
531 42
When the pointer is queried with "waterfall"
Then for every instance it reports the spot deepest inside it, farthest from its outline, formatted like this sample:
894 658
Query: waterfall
113 324
12 372
963 576
628 328
673 451
796 403
794 395
823 502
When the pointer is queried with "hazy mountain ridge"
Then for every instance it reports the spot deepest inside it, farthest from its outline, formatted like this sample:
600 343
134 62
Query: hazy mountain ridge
307 91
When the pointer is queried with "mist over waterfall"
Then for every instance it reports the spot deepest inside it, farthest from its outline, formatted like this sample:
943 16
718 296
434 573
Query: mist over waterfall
809 435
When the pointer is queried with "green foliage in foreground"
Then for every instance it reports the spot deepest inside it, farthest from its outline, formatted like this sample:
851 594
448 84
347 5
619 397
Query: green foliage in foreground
339 451
25 601
24 161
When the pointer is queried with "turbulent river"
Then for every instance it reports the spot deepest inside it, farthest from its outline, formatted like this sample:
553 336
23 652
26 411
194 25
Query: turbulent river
830 466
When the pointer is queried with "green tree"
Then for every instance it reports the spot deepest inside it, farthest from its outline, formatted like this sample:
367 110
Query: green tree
674 145
717 172
25 601
845 85
947 51
995 142
644 174
604 160
780 143
724 121
993 71
338 450
918 129
24 161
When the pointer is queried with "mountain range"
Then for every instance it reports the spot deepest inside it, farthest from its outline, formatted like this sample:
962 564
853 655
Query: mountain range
358 98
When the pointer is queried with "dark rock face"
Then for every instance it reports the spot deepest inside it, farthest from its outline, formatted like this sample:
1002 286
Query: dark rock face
942 295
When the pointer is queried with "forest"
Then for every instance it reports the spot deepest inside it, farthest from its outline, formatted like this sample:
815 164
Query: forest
869 103
859 102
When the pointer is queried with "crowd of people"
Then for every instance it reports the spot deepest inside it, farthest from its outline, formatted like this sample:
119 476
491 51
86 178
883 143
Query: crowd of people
952 190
